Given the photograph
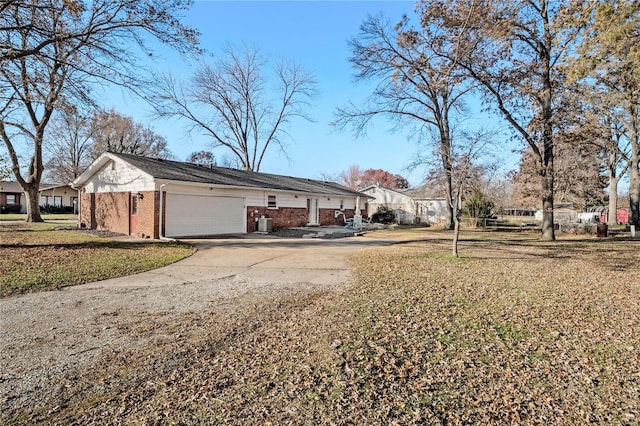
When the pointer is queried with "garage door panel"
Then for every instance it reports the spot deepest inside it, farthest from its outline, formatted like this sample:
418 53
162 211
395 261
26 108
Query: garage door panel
193 215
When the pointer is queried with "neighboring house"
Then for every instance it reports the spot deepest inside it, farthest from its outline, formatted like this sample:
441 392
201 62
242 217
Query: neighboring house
417 205
60 197
12 198
563 214
151 197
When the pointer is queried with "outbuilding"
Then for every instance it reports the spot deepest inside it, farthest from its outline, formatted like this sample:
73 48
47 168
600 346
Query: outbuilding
151 197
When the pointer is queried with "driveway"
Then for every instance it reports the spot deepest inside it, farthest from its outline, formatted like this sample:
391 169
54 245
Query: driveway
43 335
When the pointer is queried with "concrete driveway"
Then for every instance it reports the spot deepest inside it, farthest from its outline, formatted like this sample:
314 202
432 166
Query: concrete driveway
43 335
268 260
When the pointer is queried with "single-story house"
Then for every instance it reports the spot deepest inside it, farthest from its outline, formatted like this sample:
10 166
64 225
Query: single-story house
563 214
155 198
11 198
14 200
414 205
59 197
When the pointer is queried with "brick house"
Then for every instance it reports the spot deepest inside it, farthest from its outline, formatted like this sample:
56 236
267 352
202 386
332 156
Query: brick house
11 198
155 198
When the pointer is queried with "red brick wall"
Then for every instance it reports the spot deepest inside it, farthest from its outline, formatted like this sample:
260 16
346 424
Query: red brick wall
283 217
109 211
327 216
292 217
148 214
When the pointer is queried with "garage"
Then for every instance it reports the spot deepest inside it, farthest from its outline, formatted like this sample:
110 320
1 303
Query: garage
193 215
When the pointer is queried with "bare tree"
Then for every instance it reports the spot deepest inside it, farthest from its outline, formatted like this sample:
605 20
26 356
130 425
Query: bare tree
5 170
204 158
231 102
115 132
68 145
414 86
466 172
54 51
513 50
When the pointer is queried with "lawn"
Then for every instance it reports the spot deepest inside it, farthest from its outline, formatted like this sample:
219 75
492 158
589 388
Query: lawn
46 216
516 331
38 256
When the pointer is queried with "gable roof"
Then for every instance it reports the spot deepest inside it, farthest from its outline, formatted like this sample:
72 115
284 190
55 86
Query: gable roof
170 170
423 192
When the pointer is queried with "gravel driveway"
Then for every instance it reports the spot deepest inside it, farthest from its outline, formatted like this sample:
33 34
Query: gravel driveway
44 335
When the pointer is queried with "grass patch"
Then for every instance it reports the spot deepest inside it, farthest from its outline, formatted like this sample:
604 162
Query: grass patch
45 216
525 333
37 257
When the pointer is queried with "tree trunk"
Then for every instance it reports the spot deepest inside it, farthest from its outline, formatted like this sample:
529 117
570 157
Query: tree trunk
634 191
548 229
33 202
456 236
456 227
613 200
450 220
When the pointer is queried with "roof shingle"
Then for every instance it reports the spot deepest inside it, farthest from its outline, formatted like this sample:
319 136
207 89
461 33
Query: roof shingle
188 172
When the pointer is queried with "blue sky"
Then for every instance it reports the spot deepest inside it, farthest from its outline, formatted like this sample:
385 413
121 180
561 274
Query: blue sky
313 34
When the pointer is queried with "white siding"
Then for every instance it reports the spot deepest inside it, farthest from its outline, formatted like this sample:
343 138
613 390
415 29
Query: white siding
259 197
406 208
118 176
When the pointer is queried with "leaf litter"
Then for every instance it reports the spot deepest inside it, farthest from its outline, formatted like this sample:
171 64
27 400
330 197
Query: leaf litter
506 335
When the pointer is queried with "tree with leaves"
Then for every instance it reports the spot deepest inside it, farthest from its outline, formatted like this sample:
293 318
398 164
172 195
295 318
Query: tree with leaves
231 102
514 50
52 52
414 86
356 178
608 63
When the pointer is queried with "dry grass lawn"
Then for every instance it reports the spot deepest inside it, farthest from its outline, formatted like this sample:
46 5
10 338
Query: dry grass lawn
517 331
35 257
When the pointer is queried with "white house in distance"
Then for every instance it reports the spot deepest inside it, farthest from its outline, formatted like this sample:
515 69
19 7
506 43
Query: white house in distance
61 197
416 205
154 198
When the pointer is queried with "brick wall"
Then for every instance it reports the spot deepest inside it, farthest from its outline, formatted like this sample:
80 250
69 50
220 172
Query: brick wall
109 211
283 217
148 214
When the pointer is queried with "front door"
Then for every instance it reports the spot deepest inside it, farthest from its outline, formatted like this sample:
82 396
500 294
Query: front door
133 213
312 208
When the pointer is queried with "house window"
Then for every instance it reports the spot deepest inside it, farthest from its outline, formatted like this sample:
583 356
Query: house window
49 200
11 199
341 204
271 202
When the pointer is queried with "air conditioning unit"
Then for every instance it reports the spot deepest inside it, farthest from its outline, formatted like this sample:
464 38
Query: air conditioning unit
265 224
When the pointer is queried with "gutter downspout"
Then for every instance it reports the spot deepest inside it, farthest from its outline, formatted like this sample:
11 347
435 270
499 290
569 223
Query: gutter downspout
160 236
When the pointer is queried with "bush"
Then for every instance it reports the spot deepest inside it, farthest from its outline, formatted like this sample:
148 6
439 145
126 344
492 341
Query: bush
383 215
10 208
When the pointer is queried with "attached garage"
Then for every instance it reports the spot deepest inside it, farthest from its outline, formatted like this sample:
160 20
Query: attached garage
157 198
197 215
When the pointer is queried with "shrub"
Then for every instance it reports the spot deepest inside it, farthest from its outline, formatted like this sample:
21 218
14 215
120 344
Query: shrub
383 215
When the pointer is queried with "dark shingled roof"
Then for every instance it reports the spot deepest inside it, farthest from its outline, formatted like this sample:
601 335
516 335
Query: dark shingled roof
188 172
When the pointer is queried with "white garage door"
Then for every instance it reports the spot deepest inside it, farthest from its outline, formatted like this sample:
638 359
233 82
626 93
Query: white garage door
193 215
